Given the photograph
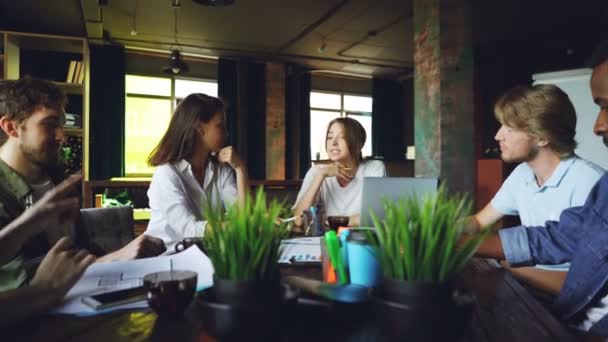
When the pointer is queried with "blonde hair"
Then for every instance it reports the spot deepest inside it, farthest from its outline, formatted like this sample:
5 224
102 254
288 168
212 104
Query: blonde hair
544 111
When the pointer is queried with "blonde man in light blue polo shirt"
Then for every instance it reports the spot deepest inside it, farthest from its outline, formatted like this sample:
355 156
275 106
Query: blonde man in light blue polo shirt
538 128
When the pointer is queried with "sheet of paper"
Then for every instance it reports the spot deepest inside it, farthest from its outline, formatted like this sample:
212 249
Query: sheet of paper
112 276
306 249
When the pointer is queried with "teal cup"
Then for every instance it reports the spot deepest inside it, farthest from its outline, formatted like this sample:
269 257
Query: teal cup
363 264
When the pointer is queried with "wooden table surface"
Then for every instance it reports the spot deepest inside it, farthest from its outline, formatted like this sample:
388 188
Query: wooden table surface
504 311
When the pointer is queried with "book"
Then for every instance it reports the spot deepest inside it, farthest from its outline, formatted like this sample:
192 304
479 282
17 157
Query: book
77 72
71 70
81 75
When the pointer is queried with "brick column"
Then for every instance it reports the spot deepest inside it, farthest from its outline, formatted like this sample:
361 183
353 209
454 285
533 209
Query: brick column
275 121
443 92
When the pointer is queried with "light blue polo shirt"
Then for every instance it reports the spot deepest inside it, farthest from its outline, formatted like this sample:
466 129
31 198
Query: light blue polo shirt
567 187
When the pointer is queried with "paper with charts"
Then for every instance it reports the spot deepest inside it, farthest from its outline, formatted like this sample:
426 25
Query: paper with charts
112 276
301 250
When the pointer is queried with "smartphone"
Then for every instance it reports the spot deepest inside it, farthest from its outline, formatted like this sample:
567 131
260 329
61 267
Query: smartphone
110 299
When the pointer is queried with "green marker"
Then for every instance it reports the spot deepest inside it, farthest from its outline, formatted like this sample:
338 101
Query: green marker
335 256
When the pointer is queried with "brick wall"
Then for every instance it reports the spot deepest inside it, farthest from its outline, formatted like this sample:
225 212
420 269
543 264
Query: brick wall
275 121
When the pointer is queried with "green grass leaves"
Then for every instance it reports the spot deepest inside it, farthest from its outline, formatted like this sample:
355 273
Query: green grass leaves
243 243
418 241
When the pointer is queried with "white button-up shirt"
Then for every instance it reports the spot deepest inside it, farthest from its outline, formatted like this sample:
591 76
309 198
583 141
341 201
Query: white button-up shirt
177 201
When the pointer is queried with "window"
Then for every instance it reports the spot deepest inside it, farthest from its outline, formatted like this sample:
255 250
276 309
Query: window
149 103
325 106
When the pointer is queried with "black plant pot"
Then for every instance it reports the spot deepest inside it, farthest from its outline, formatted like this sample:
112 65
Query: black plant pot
422 311
248 293
239 322
415 293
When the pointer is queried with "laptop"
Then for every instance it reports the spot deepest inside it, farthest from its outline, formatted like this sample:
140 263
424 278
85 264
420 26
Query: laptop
376 189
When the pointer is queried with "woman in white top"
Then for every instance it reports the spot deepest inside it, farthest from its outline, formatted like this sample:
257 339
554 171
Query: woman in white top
192 169
338 185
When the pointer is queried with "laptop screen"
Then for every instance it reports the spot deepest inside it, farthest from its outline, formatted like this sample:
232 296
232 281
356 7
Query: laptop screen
376 189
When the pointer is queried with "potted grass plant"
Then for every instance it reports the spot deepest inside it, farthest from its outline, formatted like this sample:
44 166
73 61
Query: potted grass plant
418 248
243 245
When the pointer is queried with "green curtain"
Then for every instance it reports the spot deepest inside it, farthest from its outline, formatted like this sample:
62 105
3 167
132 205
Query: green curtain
297 119
107 111
242 85
388 120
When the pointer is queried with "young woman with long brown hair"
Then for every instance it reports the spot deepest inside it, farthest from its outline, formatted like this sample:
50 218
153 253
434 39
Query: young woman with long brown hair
338 184
192 169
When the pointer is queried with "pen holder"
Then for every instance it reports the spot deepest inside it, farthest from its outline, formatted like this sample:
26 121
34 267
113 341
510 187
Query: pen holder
358 256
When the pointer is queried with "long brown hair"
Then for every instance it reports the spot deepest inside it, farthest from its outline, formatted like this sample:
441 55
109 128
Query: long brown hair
354 134
182 135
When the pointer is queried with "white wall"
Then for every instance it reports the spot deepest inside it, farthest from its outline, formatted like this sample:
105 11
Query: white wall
576 84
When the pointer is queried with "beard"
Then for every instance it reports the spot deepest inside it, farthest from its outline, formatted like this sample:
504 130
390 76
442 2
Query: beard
45 156
605 140
527 156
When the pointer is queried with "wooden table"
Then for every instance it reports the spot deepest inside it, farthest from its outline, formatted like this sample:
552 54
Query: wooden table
504 311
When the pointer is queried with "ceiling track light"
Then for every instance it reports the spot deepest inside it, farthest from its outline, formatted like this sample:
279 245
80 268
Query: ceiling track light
322 47
134 20
176 64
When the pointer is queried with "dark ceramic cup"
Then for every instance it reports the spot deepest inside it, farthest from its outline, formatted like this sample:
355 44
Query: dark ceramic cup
170 292
336 222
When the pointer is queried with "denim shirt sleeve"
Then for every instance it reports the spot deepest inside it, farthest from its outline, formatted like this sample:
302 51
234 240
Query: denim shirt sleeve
555 242
551 244
515 246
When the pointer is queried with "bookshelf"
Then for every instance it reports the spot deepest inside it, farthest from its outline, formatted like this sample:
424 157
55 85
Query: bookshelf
70 88
70 131
64 60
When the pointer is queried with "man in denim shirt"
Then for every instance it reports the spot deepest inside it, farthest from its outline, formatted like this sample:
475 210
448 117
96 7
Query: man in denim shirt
581 235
